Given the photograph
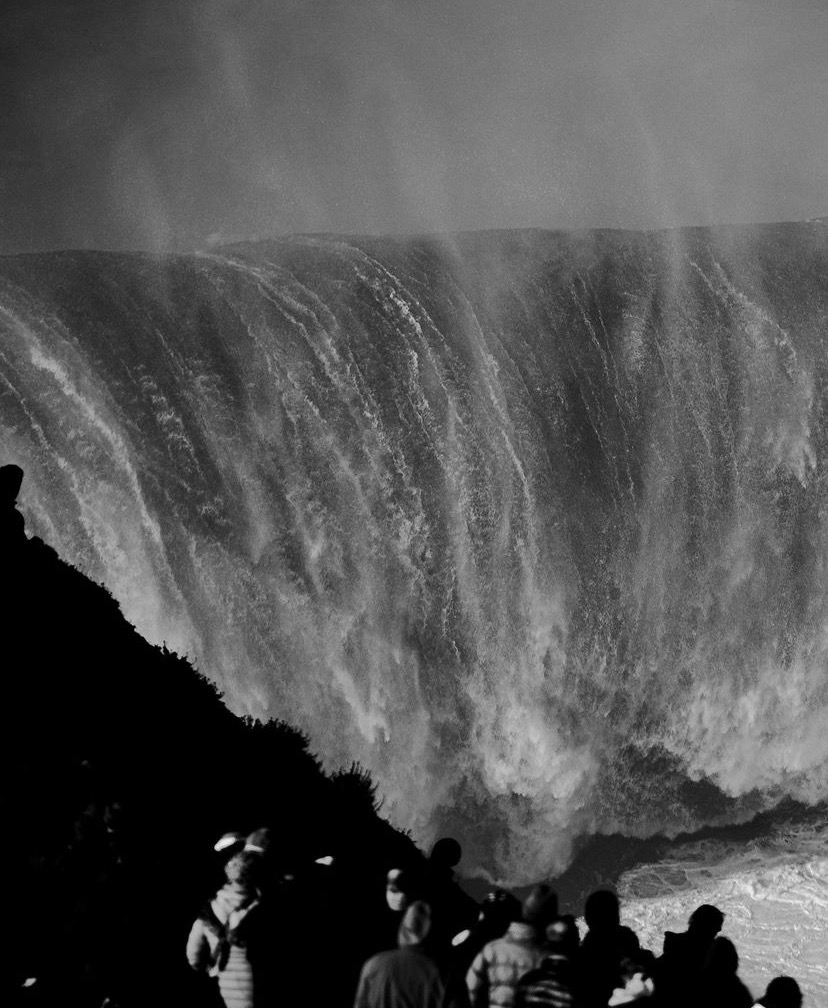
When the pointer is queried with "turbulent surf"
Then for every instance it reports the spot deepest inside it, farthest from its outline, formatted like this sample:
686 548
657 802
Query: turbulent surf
532 525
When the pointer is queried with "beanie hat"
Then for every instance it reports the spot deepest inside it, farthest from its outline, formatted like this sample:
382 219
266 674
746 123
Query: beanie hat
540 905
416 924
227 841
562 934
259 841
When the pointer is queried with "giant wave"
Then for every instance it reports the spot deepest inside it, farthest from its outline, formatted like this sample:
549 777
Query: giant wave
532 525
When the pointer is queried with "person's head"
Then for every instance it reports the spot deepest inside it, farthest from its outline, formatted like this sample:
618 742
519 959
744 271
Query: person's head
498 910
415 924
241 869
706 920
259 841
722 959
602 910
540 907
229 843
399 889
562 936
782 992
445 854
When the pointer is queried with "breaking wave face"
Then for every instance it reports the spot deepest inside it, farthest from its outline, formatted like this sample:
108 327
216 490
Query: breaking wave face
532 525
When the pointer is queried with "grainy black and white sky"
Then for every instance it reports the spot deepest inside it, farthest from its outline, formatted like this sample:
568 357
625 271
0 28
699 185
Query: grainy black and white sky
184 123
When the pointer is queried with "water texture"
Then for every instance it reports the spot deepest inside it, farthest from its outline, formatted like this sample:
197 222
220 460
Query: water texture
533 525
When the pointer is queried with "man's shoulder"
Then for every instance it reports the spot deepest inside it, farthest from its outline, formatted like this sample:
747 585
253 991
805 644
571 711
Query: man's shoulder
379 961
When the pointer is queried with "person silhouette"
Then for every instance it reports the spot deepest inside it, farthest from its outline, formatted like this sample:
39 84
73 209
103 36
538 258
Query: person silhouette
684 954
604 947
782 992
719 985
453 910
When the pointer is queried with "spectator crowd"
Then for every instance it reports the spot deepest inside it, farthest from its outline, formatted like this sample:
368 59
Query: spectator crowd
429 945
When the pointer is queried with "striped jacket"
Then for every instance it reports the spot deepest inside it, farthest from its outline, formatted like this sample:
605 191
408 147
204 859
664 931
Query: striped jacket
551 985
217 944
495 972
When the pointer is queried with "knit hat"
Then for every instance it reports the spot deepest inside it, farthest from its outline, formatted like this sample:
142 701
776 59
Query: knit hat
416 924
227 841
557 931
540 905
259 841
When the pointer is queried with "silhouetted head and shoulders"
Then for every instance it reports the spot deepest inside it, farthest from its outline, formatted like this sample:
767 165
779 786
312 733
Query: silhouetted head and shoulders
685 952
606 944
705 922
719 983
453 909
782 992
602 915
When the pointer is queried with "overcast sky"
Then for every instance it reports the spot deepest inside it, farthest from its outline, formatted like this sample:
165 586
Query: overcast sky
181 123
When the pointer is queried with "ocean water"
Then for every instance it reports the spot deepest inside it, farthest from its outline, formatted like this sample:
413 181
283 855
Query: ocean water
773 889
532 525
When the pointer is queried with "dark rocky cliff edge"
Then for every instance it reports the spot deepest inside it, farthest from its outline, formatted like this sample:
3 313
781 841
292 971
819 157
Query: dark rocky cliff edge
122 768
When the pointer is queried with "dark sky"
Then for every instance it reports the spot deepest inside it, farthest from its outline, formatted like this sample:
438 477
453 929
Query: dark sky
181 123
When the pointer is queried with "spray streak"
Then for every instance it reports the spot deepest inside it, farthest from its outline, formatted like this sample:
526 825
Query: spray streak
532 525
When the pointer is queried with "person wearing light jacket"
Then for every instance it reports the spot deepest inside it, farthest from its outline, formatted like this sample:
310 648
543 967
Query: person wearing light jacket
493 977
221 937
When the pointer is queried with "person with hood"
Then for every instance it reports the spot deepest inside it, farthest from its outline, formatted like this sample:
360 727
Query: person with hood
719 985
554 983
408 976
782 992
494 974
402 888
223 936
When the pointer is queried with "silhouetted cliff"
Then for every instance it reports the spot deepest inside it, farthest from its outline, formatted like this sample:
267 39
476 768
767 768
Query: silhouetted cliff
122 769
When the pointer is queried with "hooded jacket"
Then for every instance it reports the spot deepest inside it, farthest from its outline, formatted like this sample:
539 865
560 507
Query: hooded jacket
495 972
408 976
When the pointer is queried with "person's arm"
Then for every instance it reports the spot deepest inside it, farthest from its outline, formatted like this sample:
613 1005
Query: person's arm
198 948
477 981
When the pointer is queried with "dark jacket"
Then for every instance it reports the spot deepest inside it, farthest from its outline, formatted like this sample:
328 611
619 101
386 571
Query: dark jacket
551 985
600 959
404 978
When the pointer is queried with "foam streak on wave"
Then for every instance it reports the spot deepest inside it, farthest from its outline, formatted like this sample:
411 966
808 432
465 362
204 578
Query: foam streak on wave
532 525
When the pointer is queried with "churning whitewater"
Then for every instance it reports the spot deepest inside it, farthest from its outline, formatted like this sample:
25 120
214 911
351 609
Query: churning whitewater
532 525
